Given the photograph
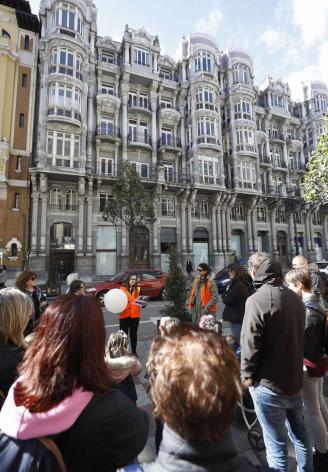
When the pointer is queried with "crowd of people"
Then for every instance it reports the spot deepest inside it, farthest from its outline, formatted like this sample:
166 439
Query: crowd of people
60 380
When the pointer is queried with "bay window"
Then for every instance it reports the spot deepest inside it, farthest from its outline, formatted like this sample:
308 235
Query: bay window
108 57
205 98
168 171
63 148
206 130
241 74
69 17
243 109
247 175
142 169
166 137
277 101
107 127
245 139
208 170
64 100
203 61
107 89
66 61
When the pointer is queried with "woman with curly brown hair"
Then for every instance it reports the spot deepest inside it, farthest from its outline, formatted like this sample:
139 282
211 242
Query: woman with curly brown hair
64 390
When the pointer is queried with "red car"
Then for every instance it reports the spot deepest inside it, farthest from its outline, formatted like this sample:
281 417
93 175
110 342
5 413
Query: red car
151 282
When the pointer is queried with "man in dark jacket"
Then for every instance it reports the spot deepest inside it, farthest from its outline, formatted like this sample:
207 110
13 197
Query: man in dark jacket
272 348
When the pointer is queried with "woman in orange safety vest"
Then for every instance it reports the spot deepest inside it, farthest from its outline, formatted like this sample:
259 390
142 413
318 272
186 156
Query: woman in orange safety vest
129 318
204 294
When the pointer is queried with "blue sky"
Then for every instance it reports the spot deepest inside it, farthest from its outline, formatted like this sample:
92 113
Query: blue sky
286 38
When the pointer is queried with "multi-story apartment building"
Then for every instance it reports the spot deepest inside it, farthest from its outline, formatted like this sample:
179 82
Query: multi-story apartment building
19 31
222 159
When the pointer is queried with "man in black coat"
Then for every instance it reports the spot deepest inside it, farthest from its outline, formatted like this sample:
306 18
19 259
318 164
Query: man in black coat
272 348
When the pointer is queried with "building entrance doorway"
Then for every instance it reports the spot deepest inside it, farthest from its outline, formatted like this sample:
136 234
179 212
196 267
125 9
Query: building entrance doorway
200 246
62 251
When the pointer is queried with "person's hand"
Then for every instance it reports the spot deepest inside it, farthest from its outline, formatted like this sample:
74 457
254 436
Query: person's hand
247 383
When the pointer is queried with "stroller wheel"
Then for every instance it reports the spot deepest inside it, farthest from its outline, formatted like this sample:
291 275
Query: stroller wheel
256 439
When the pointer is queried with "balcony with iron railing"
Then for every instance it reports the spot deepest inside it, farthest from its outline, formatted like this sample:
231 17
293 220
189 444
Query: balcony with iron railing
110 170
62 207
246 148
265 160
139 138
110 132
169 142
206 140
276 137
139 104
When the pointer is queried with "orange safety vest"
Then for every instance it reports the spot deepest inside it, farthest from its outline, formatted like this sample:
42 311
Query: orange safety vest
205 295
132 310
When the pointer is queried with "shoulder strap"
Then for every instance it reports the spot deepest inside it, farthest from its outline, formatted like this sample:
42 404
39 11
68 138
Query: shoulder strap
52 447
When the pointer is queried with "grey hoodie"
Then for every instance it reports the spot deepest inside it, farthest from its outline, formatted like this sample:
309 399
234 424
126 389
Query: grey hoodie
272 336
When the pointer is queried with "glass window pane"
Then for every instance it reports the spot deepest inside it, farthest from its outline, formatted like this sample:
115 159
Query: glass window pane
64 18
62 57
71 20
67 148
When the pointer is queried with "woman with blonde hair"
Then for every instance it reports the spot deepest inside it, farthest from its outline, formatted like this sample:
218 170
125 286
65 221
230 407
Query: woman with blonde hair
16 309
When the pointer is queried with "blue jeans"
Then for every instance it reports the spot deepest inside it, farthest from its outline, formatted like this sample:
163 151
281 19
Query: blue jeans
280 415
233 329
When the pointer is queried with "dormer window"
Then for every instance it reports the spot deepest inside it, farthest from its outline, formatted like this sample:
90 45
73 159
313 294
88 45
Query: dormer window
165 74
141 56
277 101
108 57
203 61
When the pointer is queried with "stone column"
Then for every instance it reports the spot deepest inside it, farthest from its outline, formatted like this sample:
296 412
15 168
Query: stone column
214 233
291 234
224 229
183 71
126 54
274 232
190 235
43 225
255 245
154 128
219 230
34 228
308 234
249 231
183 227
228 211
89 225
81 225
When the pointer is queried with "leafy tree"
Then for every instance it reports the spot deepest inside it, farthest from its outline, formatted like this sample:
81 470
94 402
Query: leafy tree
315 184
175 291
130 202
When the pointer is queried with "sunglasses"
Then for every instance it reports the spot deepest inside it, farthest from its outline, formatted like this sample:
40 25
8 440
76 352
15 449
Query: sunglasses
201 270
33 278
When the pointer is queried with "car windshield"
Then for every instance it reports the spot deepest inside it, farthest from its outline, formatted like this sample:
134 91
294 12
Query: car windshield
116 277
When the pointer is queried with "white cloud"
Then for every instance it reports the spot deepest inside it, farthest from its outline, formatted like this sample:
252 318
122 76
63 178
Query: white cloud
210 24
316 71
312 19
273 39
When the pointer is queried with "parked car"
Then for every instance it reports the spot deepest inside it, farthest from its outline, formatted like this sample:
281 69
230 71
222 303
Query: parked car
323 266
222 278
151 282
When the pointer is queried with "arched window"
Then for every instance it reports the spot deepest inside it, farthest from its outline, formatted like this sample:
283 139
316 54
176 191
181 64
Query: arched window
13 250
5 34
68 17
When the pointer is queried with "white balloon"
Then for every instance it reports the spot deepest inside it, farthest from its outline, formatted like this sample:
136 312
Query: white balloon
115 300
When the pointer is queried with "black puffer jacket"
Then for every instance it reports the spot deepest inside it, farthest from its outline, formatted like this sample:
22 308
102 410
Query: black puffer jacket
234 299
314 328
10 357
272 336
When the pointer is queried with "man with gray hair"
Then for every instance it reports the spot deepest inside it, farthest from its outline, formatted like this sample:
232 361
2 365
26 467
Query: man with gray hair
272 349
300 262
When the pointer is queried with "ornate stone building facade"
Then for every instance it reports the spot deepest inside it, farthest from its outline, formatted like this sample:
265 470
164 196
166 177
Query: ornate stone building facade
222 159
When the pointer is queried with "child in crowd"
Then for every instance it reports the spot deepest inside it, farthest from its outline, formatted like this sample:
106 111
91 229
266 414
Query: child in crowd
122 365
